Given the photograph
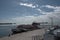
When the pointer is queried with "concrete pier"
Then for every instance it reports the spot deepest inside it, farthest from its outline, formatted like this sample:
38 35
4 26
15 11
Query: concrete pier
30 35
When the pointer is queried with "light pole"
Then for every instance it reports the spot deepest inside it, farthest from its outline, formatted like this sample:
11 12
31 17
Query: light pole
51 21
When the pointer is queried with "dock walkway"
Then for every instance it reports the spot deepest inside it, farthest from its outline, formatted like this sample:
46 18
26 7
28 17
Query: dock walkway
30 35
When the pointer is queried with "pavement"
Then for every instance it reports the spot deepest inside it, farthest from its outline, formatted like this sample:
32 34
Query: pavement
30 35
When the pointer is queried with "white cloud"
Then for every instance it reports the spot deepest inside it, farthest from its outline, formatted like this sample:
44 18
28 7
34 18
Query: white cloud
38 9
24 0
56 9
41 11
52 7
24 20
28 5
29 19
48 6
54 14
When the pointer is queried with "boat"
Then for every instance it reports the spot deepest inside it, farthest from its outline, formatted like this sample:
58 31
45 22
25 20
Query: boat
52 33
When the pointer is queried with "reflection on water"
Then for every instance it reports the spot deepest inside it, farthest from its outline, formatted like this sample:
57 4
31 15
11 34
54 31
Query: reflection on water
5 30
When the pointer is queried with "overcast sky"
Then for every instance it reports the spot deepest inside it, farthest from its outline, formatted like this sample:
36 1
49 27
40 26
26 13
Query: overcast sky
28 11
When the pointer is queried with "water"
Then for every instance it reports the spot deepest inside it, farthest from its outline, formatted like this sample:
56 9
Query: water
5 30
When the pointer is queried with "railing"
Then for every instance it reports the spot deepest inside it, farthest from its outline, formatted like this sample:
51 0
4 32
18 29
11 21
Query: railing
37 37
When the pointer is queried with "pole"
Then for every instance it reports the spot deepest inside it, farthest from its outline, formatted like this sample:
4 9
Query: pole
51 21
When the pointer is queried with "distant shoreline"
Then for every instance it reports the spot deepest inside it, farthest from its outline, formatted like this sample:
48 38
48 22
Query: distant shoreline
6 23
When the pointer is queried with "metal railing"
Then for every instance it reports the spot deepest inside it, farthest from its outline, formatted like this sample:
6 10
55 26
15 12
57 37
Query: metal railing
37 37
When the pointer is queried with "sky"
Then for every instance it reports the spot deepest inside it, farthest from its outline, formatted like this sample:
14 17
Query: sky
28 11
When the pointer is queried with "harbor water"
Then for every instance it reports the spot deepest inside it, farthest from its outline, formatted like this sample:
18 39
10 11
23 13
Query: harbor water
5 30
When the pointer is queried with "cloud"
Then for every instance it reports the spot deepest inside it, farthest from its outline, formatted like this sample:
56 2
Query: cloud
41 18
28 5
54 14
38 9
24 19
24 0
41 11
28 19
52 7
56 10
48 6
